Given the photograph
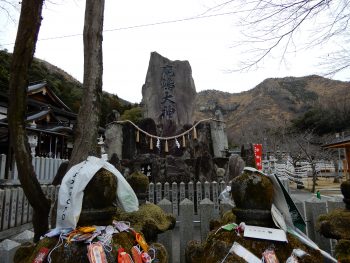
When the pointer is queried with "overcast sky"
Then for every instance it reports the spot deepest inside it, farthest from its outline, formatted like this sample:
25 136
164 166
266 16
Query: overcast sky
205 42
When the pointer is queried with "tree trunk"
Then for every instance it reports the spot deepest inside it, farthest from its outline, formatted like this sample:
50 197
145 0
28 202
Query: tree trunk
314 177
337 172
85 143
27 34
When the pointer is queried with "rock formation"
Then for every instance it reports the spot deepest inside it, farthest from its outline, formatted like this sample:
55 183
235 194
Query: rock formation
218 135
169 92
235 166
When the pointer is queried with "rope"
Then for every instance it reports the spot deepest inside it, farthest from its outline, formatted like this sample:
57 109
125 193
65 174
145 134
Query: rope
165 138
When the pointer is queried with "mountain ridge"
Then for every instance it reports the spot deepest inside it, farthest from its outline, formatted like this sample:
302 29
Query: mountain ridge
273 103
249 115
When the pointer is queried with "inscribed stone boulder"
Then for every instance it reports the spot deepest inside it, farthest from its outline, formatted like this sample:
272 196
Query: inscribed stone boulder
169 92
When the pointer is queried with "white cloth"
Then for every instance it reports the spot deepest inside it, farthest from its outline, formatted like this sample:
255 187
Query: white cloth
71 192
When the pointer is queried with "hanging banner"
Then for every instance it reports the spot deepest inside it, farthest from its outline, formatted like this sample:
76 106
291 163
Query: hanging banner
258 155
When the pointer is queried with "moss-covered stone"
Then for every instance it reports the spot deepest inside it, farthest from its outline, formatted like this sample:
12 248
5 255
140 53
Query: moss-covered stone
252 191
335 224
24 252
227 218
150 219
98 206
124 240
342 251
194 251
101 191
345 190
217 246
77 251
27 253
139 182
161 253
99 217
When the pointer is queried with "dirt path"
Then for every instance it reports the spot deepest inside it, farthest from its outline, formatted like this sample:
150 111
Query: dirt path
325 185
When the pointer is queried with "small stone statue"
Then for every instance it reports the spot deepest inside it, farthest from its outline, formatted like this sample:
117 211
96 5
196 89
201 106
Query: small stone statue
335 225
253 196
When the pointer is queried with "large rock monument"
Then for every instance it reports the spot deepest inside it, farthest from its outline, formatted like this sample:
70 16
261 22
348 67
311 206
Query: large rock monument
168 144
169 92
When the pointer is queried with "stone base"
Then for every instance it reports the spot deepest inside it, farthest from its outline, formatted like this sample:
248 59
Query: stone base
100 217
347 203
253 217
335 224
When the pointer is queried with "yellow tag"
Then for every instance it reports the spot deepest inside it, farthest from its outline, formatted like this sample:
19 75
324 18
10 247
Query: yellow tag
86 229
142 242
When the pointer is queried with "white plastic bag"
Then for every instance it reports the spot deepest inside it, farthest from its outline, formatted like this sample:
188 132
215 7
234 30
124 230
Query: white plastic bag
71 191
225 196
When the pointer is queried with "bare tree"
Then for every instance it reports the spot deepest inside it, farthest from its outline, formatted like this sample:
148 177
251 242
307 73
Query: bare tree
268 25
27 34
306 146
88 118
28 29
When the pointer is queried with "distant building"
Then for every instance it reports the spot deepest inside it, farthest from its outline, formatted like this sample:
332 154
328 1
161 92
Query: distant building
49 123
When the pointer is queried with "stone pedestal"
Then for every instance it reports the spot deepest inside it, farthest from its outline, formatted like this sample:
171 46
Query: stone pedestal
7 250
114 139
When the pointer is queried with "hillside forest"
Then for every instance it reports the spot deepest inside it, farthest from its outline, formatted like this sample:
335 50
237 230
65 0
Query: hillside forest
68 89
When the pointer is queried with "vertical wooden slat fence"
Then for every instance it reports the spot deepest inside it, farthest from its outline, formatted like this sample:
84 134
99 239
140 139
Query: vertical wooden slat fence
15 210
45 169
195 192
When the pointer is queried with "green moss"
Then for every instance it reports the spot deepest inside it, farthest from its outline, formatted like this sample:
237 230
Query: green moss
335 224
194 252
228 217
161 253
342 251
77 251
252 191
218 245
23 252
100 192
27 253
124 240
139 182
150 219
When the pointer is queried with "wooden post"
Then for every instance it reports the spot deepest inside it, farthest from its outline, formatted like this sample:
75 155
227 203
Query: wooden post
167 191
151 193
174 199
182 191
347 156
158 192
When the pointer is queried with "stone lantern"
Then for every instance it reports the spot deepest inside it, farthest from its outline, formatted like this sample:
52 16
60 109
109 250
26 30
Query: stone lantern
33 143
101 144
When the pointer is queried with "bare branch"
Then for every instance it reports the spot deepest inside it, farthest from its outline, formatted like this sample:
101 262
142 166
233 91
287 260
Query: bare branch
9 8
271 24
